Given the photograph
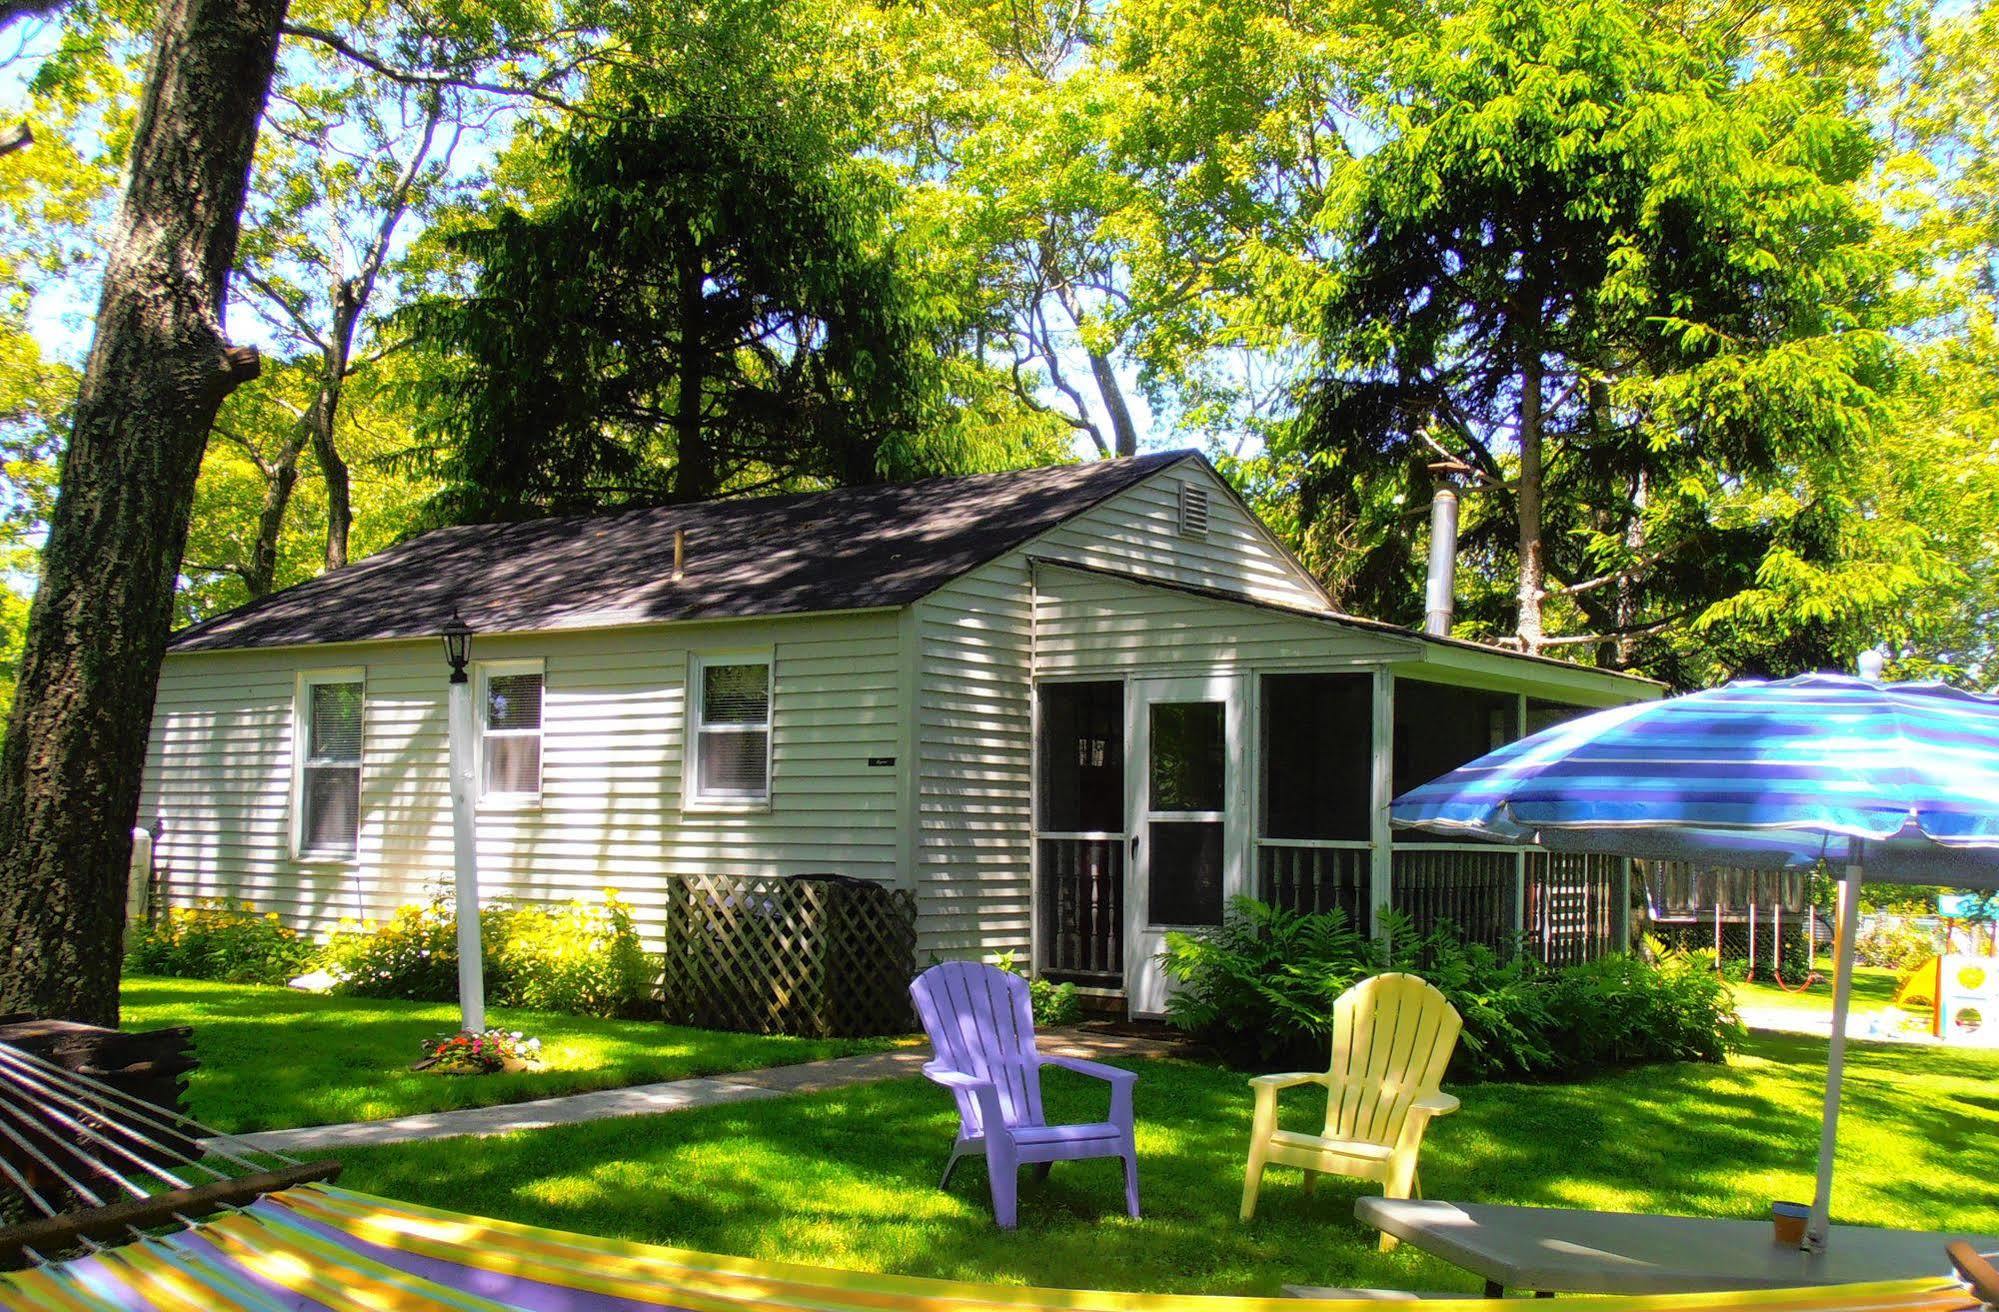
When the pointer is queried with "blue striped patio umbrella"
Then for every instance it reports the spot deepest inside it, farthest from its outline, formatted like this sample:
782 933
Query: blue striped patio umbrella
1895 782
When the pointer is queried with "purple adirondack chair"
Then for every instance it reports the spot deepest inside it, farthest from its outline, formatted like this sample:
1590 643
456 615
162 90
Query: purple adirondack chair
982 1030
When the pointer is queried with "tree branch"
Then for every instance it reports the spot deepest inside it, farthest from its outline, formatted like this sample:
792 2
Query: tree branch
1643 631
291 311
1634 569
410 77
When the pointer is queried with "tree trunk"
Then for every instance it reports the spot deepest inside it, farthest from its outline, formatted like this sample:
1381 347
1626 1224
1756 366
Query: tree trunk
347 297
1628 586
281 478
1533 560
159 367
694 462
1123 432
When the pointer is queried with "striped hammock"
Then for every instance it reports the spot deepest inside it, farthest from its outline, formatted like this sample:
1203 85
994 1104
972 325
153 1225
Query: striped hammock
319 1247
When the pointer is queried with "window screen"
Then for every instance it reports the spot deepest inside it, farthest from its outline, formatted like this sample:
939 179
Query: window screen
1082 758
510 746
330 776
1318 750
732 732
1189 756
1439 728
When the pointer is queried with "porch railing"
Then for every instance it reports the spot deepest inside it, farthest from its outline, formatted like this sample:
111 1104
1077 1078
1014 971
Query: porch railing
1472 886
1564 905
1571 912
1082 908
1316 876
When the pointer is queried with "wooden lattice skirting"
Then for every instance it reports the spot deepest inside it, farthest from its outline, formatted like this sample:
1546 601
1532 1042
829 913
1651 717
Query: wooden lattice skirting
824 956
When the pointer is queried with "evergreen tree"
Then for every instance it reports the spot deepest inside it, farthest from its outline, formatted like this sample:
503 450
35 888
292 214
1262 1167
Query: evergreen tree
708 304
1622 267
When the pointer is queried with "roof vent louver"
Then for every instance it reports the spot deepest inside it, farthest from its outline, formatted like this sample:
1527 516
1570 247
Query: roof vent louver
1193 510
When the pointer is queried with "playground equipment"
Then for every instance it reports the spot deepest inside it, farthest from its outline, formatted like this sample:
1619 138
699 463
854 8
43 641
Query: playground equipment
1762 917
1967 994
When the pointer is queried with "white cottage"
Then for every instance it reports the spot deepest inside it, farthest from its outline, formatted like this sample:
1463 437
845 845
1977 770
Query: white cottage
1068 708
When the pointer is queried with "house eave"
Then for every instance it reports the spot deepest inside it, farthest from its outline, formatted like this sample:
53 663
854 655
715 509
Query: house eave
561 630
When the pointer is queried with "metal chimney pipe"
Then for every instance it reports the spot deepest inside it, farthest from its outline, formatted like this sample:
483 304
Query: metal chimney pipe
1440 594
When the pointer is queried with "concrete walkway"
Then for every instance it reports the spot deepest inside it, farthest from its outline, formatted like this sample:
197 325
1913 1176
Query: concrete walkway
670 1096
1874 1025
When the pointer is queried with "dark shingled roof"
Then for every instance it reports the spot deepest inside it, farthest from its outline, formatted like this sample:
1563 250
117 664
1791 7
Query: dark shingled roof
849 549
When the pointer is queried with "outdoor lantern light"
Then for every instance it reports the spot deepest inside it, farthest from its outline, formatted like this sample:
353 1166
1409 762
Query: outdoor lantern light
457 645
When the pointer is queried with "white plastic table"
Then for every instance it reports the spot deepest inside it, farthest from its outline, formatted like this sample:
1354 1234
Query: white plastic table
1550 1249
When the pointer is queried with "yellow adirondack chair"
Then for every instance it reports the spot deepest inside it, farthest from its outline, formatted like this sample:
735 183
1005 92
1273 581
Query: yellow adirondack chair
1392 1038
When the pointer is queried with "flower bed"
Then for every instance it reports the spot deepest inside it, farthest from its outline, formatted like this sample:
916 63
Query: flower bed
583 958
484 1053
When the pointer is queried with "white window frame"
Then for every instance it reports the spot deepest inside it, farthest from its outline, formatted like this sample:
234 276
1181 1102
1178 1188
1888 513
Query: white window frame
483 671
302 745
692 798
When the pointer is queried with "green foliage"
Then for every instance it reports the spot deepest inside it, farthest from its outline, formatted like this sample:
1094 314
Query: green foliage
1052 1003
1624 270
1894 942
1618 1010
1261 989
1751 247
222 941
579 958
582 959
413 955
1262 983
709 303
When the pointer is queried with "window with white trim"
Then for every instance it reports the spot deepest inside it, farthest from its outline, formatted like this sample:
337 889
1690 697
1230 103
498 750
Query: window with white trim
329 765
731 730
510 730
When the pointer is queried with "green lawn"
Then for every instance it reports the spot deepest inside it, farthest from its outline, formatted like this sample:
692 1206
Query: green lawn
848 1178
272 1058
1873 988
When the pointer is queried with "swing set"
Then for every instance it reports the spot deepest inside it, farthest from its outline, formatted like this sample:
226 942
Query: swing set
1696 903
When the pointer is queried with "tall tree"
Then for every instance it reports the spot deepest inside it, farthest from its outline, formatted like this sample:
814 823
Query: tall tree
344 171
160 364
708 304
1622 273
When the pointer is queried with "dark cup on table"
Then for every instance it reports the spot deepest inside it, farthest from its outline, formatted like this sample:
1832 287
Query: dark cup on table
1787 1223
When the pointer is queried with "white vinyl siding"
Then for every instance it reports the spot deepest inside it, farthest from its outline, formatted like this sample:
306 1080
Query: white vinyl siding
610 813
1091 624
1138 531
977 653
974 723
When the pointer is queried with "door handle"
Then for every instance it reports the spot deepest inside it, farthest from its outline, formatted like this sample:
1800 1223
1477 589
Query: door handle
1134 844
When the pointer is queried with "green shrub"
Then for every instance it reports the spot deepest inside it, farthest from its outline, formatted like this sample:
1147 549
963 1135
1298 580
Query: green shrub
219 940
1260 989
1620 1011
1895 943
413 955
582 959
1052 1003
576 958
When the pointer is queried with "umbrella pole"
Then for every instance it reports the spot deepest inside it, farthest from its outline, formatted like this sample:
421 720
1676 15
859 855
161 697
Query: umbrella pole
1835 1065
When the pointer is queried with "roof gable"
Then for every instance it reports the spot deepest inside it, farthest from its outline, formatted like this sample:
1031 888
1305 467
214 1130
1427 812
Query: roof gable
849 549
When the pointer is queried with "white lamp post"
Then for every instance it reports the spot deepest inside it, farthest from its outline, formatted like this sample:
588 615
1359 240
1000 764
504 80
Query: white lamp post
464 829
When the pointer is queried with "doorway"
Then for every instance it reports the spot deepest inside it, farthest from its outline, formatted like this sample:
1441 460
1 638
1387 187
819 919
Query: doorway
1187 832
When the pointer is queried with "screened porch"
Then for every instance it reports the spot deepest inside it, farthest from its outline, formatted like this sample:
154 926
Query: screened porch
1157 800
